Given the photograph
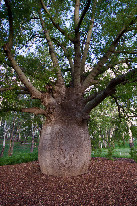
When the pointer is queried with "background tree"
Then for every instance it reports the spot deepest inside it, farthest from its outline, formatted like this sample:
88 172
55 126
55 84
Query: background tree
68 56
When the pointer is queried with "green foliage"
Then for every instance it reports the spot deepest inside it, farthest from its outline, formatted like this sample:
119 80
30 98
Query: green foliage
133 153
20 158
110 153
30 50
134 131
105 127
119 152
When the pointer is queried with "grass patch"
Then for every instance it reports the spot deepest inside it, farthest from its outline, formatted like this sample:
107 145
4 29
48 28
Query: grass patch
19 158
21 154
18 148
117 152
122 152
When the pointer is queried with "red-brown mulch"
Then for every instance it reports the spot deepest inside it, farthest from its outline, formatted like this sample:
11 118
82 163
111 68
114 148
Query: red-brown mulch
106 183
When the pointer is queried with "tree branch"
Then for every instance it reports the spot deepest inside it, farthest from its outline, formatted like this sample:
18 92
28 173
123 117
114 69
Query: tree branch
124 108
84 13
125 52
111 66
88 39
66 53
51 51
91 97
10 38
76 14
7 49
132 28
13 88
116 101
96 70
34 92
109 90
54 23
77 59
34 110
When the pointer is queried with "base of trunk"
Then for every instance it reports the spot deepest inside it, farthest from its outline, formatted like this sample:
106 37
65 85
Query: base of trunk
64 149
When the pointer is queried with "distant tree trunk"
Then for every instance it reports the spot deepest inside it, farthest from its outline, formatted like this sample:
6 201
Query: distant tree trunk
18 133
131 143
32 141
10 152
4 140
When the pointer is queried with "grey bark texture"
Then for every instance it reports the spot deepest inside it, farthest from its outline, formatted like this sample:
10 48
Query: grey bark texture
64 149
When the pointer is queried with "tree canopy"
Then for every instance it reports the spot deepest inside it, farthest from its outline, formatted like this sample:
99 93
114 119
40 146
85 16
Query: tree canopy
86 45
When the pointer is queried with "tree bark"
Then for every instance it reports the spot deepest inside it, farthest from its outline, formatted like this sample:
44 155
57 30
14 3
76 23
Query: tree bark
10 151
4 139
64 148
131 143
32 141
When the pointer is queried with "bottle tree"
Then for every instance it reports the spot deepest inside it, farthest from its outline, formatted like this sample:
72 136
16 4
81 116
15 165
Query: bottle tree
63 53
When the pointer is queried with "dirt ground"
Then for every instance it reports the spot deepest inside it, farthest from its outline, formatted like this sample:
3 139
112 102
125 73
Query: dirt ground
106 183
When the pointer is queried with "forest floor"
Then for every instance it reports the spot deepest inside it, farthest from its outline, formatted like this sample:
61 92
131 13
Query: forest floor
106 183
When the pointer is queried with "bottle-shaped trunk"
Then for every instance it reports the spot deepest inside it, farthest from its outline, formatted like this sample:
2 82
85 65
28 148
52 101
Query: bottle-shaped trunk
64 148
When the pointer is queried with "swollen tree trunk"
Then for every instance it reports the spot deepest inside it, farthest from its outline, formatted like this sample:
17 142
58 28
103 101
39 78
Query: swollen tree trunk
65 146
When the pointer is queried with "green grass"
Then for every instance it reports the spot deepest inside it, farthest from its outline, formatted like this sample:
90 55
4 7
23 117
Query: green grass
18 148
21 153
117 152
19 158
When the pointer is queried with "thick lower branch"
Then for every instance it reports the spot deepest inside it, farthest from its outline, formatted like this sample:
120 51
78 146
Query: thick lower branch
34 92
34 110
22 89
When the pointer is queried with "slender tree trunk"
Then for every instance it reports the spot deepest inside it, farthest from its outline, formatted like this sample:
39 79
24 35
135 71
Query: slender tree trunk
10 152
4 140
131 143
32 144
32 141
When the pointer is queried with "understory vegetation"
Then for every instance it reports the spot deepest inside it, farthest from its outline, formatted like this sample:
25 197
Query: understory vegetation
116 152
22 154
